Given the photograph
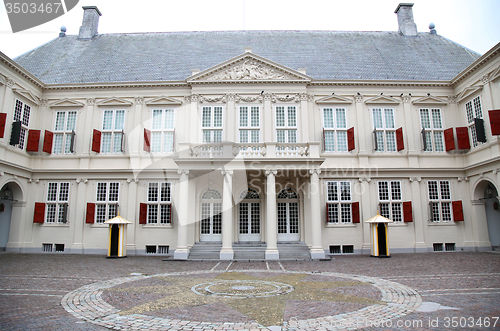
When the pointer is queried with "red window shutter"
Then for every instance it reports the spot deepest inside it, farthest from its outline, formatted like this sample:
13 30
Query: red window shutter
147 140
39 215
96 141
449 140
399 139
355 212
143 213
495 121
458 211
463 138
350 139
89 219
3 120
407 212
47 142
33 141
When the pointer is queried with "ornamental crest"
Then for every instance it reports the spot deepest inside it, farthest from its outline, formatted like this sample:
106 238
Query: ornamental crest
249 70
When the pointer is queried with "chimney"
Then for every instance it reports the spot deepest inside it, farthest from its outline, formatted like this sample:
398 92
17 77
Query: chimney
407 26
90 22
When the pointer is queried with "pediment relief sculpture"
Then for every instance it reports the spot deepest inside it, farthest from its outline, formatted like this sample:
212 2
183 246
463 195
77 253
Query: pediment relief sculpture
250 70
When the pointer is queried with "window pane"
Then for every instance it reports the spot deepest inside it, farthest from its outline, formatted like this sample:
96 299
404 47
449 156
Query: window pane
51 213
207 136
438 141
377 119
255 135
243 116
168 144
470 114
341 121
119 119
71 122
436 119
112 211
107 120
206 119
165 192
67 143
255 116
63 192
117 143
446 209
396 212
383 191
280 136
332 191
18 111
169 119
292 115
477 107
424 118
106 143
391 141
342 141
396 190
113 191
330 141
165 214
428 141
58 143
217 117
389 118
217 136
384 210
26 115
280 116
100 213
345 191
157 117
153 192
345 212
292 136
152 214
333 213
243 136
101 191
60 216
155 142
328 118
60 118
445 190
52 192
380 141
433 190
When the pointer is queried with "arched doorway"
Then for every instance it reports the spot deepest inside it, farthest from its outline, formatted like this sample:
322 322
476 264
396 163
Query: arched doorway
288 215
249 216
211 216
492 210
10 209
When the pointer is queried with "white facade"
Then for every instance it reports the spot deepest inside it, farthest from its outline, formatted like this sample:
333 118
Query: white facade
272 157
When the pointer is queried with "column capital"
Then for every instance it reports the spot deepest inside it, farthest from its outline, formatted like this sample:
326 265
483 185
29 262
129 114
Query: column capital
139 100
183 171
268 172
90 101
226 172
314 171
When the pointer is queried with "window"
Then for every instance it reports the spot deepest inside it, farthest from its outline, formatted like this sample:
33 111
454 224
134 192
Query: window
335 129
162 131
112 136
64 132
107 201
211 123
339 202
440 200
432 129
286 124
390 200
384 129
249 124
159 203
22 114
57 203
473 110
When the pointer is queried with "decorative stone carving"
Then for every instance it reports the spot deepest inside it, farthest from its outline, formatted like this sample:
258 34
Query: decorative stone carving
268 96
358 98
44 102
288 98
269 172
183 171
226 172
240 98
203 99
452 99
315 171
406 98
90 101
10 82
139 100
305 97
250 70
485 79
231 97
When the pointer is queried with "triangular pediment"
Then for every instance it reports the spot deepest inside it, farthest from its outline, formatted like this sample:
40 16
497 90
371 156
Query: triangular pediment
163 100
467 92
114 102
66 103
382 99
430 100
248 67
28 95
333 99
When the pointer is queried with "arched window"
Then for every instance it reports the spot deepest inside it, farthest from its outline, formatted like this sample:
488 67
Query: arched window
287 193
249 193
211 194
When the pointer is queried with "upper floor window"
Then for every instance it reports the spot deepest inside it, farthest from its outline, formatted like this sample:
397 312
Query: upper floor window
473 110
107 201
384 129
286 124
339 202
162 131
211 123
440 200
112 137
432 129
390 200
22 114
249 124
57 202
335 129
64 132
159 203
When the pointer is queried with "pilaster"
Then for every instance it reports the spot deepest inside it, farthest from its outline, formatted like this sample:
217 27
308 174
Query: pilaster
226 252
132 213
268 118
271 216
79 219
182 250
419 214
231 118
317 251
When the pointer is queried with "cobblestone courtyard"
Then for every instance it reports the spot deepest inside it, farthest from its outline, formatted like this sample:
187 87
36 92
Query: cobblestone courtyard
433 291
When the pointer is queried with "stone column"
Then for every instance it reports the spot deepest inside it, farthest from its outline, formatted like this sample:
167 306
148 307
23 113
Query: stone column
271 217
131 213
317 251
182 250
79 226
267 117
305 118
232 116
419 215
226 252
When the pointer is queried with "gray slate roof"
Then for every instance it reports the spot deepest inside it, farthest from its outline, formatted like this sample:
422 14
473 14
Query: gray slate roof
327 55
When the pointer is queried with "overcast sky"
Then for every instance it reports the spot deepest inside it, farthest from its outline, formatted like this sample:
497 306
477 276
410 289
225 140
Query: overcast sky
472 23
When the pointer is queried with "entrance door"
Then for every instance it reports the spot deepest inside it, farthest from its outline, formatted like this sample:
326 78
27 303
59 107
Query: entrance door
211 216
288 216
249 216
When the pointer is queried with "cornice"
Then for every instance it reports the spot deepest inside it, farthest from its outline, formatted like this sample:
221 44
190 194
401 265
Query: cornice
20 70
83 86
495 50
380 83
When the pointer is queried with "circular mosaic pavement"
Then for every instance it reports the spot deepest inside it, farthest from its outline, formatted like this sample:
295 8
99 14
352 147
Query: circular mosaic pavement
257 300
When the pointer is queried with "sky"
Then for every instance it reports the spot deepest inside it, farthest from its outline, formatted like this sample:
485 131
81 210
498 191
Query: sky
470 23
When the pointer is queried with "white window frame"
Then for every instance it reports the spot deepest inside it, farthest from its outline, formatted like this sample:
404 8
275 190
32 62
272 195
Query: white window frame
384 131
250 129
340 203
56 206
22 112
287 127
162 133
440 202
473 109
394 203
110 204
335 131
212 127
434 135
62 137
117 135
155 205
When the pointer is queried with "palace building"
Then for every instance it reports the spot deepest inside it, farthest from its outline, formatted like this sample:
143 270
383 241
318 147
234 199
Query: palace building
250 144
